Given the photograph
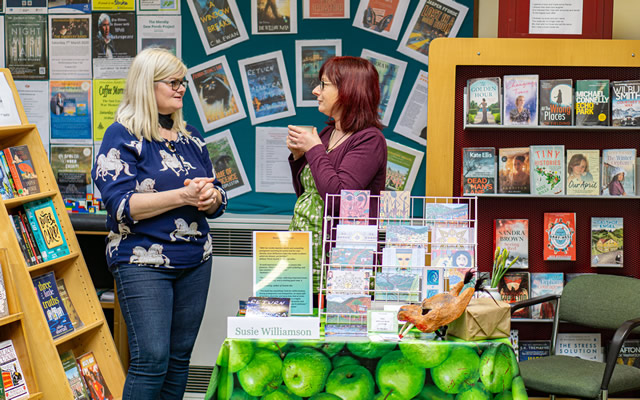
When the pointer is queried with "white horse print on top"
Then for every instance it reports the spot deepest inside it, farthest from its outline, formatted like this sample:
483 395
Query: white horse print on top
171 161
136 144
152 256
111 162
184 231
116 238
146 186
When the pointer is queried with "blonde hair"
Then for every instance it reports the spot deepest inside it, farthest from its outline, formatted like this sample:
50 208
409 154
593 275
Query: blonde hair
138 109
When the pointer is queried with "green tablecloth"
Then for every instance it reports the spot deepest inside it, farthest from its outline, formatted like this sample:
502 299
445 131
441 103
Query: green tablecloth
361 369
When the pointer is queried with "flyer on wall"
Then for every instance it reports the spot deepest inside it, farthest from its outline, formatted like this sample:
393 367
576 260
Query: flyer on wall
412 122
70 46
270 17
158 7
282 267
34 96
273 174
403 164
71 166
310 56
227 163
114 44
69 6
26 46
325 9
26 7
390 72
8 111
107 94
163 31
219 23
110 5
70 104
382 17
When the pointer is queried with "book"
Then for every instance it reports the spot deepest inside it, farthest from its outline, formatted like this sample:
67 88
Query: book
78 389
7 174
407 235
13 171
520 100
530 349
25 172
618 172
268 307
54 310
432 282
582 345
6 187
46 228
4 305
513 170
629 353
395 207
30 238
351 257
559 236
513 234
93 378
15 386
556 102
607 242
68 304
354 207
484 101
625 103
515 286
583 172
545 283
547 169
457 213
514 338
357 236
29 257
478 170
452 246
592 102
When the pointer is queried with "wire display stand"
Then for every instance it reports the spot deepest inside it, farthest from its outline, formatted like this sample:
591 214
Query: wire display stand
382 261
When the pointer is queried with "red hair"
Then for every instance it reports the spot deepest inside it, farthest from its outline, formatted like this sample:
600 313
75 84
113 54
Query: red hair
358 91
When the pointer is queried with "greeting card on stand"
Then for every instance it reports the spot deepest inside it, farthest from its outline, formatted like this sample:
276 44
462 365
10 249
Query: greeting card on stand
354 207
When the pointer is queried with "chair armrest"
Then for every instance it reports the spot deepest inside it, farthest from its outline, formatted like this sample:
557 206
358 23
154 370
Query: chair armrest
532 301
616 343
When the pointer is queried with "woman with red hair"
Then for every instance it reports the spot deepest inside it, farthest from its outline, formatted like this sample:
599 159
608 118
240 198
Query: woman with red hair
350 153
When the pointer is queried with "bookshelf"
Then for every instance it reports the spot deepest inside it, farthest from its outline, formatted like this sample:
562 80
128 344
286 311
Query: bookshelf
46 367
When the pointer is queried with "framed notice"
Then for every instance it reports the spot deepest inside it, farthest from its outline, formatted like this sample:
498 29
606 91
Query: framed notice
282 267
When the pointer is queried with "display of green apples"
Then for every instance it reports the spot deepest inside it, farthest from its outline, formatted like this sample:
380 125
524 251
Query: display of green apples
518 391
369 349
225 383
506 395
235 354
476 391
396 374
332 348
351 382
458 371
273 345
282 393
339 361
239 394
263 374
425 354
432 392
305 371
498 366
324 396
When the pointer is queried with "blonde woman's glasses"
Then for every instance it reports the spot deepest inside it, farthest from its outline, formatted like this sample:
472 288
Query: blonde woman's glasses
175 84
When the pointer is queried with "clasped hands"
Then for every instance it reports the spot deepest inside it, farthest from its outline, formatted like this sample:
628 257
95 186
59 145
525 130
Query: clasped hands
300 140
201 193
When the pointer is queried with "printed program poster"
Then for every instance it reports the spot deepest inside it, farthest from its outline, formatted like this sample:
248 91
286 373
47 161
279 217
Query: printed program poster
382 17
282 267
310 55
70 107
34 96
325 9
158 7
8 110
219 23
266 87
114 44
71 165
26 6
403 164
107 94
70 46
412 122
26 46
215 93
227 163
111 5
160 31
273 174
69 6
390 73
274 17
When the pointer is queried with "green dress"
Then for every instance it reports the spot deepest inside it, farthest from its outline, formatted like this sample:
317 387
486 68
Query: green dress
307 216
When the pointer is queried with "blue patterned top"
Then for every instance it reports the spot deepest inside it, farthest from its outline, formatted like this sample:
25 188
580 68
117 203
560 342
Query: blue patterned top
178 238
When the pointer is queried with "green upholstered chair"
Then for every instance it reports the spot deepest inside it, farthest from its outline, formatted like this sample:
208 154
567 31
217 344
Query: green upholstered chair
597 301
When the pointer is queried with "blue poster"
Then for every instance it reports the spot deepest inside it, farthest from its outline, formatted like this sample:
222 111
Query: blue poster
70 107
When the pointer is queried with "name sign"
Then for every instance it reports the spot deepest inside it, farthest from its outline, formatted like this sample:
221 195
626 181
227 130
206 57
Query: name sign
273 328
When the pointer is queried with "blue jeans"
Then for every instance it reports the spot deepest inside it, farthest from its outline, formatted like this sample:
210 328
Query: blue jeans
163 309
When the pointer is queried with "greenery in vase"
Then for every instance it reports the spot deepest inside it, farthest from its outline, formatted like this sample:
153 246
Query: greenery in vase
500 266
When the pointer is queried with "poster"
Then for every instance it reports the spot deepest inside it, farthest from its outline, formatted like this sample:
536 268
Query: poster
107 94
273 174
26 7
71 166
69 6
227 164
310 56
34 96
282 267
382 17
160 31
70 46
158 7
325 9
26 46
403 164
390 72
218 22
111 5
70 110
8 110
114 44
274 17
412 122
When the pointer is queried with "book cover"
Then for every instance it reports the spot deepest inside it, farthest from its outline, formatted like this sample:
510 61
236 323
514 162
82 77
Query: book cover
6 171
351 257
46 228
68 304
76 383
513 234
452 246
25 171
630 353
530 349
547 169
22 241
93 378
513 287
607 242
395 207
583 172
15 386
6 187
520 100
403 259
545 283
407 236
513 170
618 172
592 102
354 207
484 96
582 345
267 307
4 306
432 282
556 101
559 236
514 338
445 212
478 170
52 305
357 236
13 172
625 103
29 236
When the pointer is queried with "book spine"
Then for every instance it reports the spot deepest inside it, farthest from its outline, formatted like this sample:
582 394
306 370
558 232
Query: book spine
25 238
18 231
37 234
7 172
14 172
30 236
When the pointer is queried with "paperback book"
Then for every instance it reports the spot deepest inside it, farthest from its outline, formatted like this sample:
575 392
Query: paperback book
93 378
513 234
456 213
543 283
513 170
6 187
46 229
582 345
556 101
267 307
4 305
559 236
484 98
530 349
619 172
395 207
513 287
78 389
68 304
630 353
354 207
625 103
52 305
478 170
607 242
592 102
520 100
583 172
15 386
22 170
547 170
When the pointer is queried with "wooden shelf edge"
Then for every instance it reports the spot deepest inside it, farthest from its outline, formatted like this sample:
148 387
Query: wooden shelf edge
11 318
18 201
49 263
78 332
108 304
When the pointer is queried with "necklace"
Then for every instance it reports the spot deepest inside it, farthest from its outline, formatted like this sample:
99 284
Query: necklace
330 148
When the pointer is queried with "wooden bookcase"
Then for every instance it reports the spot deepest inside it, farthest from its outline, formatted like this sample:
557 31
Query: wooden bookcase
95 335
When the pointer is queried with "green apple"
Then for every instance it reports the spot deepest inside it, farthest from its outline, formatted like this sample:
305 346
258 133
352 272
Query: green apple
213 384
475 392
282 393
306 343
506 395
263 374
388 396
225 384
396 374
458 371
324 396
425 354
332 348
239 394
369 349
273 345
351 382
518 391
305 371
235 354
432 392
339 361
498 365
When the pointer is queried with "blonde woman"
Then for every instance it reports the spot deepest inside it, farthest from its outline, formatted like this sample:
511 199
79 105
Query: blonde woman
159 188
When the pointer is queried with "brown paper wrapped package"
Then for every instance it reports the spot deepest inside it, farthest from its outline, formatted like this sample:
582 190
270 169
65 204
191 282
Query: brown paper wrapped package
483 319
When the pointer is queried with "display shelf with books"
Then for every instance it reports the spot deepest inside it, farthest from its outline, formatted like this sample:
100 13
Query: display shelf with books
403 253
87 329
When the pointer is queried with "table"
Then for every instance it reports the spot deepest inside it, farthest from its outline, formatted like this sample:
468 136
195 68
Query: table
416 368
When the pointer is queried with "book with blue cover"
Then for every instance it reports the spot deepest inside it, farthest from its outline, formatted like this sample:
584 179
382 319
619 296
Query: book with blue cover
46 229
52 305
